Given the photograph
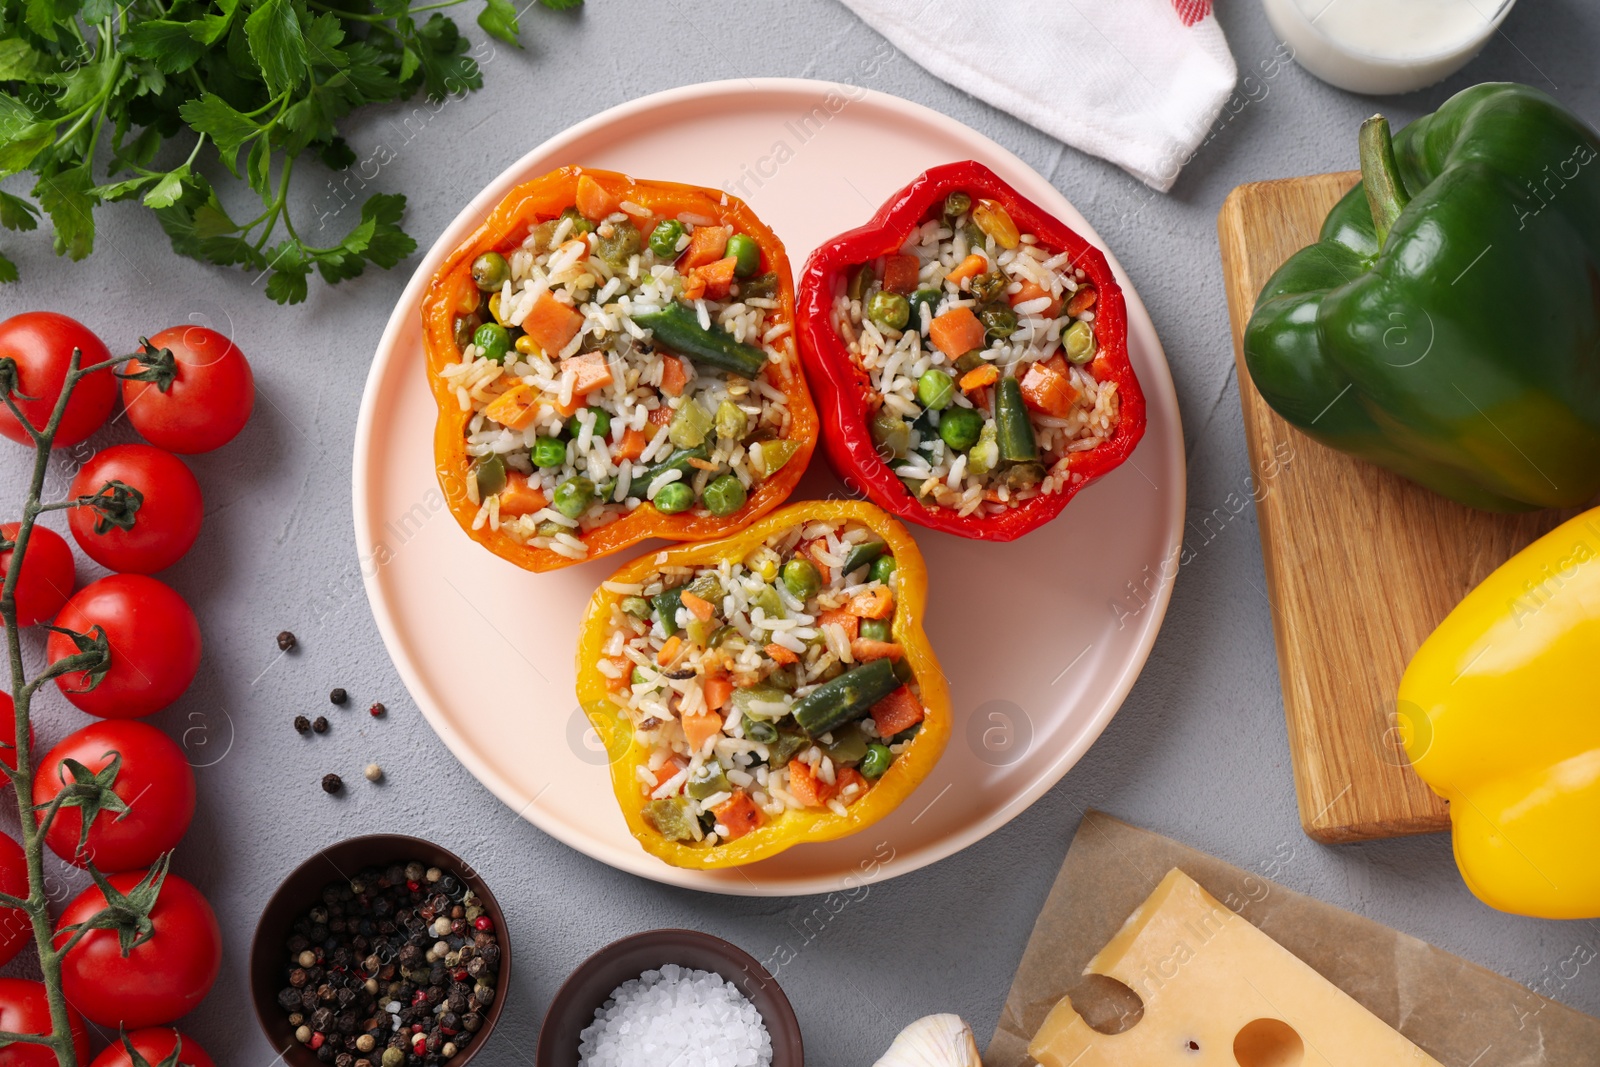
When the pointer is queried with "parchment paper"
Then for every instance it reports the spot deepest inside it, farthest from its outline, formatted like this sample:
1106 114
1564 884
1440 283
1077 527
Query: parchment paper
1460 1013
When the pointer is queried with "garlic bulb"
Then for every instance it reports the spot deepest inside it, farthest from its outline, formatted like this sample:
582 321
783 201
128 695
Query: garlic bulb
934 1041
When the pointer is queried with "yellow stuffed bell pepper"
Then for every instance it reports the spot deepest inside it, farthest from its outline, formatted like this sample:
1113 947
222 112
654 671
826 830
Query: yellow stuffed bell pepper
1500 710
767 689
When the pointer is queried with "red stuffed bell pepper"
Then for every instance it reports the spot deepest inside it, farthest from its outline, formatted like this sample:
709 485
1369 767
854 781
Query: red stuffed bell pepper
973 352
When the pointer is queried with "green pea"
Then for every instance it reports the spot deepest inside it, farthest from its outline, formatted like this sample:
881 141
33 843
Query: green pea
960 428
746 255
883 569
801 578
876 629
637 606
998 320
761 732
490 471
573 497
492 341
889 310
724 496
665 237
876 761
1079 343
490 271
602 424
969 361
928 298
549 452
673 498
957 204
935 389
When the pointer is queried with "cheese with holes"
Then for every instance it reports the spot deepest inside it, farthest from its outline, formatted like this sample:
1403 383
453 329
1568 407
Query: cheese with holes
1218 992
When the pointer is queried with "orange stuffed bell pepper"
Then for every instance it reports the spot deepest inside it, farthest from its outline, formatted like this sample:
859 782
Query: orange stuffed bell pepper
614 360
1499 715
768 689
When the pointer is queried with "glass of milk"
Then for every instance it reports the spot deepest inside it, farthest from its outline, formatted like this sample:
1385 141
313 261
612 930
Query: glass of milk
1385 46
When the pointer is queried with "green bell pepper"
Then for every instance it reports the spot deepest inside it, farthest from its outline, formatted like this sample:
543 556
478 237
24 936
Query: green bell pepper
1446 325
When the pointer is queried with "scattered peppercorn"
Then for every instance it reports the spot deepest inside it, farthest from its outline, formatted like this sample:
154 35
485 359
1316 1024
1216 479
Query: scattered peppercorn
377 711
286 642
338 696
332 783
301 724
320 725
370 977
373 772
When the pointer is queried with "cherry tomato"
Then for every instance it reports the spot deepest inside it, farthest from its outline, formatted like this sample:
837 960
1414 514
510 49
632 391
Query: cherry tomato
164 526
25 1010
154 642
154 1044
41 343
16 930
8 734
165 977
47 574
208 395
153 780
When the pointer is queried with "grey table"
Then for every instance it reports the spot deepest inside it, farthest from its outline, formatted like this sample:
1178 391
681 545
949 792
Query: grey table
1197 751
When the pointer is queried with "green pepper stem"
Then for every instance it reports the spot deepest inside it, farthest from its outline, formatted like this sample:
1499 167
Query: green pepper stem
1380 173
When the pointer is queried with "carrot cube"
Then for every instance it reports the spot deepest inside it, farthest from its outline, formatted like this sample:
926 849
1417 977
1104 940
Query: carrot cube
956 332
551 324
514 408
897 712
706 245
738 815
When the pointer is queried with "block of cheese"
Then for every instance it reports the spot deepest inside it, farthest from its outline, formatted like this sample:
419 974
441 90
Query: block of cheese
1218 992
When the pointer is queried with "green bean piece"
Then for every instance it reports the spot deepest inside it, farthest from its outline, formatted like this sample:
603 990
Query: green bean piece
621 246
983 456
762 285
761 732
801 578
746 255
976 238
766 598
492 340
490 472
731 421
846 698
902 671
762 701
580 225
669 817
875 762
665 604
907 734
706 587
883 569
876 630
969 361
989 286
724 496
549 528
923 298
773 455
935 389
960 428
890 311
673 498
860 282
677 328
789 742
892 435
1013 428
998 320
784 678
862 555
720 636
639 677
490 271
664 239
637 606
957 204
849 746
549 452
1079 342
707 780
699 632
602 424
678 461
573 497
689 426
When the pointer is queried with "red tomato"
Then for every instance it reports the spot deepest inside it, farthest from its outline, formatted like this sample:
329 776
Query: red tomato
8 734
15 928
154 1044
153 779
165 524
165 977
154 642
24 1010
41 342
47 574
207 399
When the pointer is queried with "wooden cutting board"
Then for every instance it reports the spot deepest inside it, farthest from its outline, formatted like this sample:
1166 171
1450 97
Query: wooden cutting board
1361 564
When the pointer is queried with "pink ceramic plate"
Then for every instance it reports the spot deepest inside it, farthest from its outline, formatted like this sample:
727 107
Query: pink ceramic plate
1041 638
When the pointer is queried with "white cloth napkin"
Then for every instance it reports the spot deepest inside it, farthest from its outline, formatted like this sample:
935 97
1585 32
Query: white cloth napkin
1137 82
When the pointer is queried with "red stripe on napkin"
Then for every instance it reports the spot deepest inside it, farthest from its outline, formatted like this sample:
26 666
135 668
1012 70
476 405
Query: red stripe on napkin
1192 11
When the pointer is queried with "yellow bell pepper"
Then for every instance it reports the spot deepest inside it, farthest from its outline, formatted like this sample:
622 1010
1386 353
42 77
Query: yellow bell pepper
1500 713
910 767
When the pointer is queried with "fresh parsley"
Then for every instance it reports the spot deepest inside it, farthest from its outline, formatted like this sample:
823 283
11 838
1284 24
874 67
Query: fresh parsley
92 83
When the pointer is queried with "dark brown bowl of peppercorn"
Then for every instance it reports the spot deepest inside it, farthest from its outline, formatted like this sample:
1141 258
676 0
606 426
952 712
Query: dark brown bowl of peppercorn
380 951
